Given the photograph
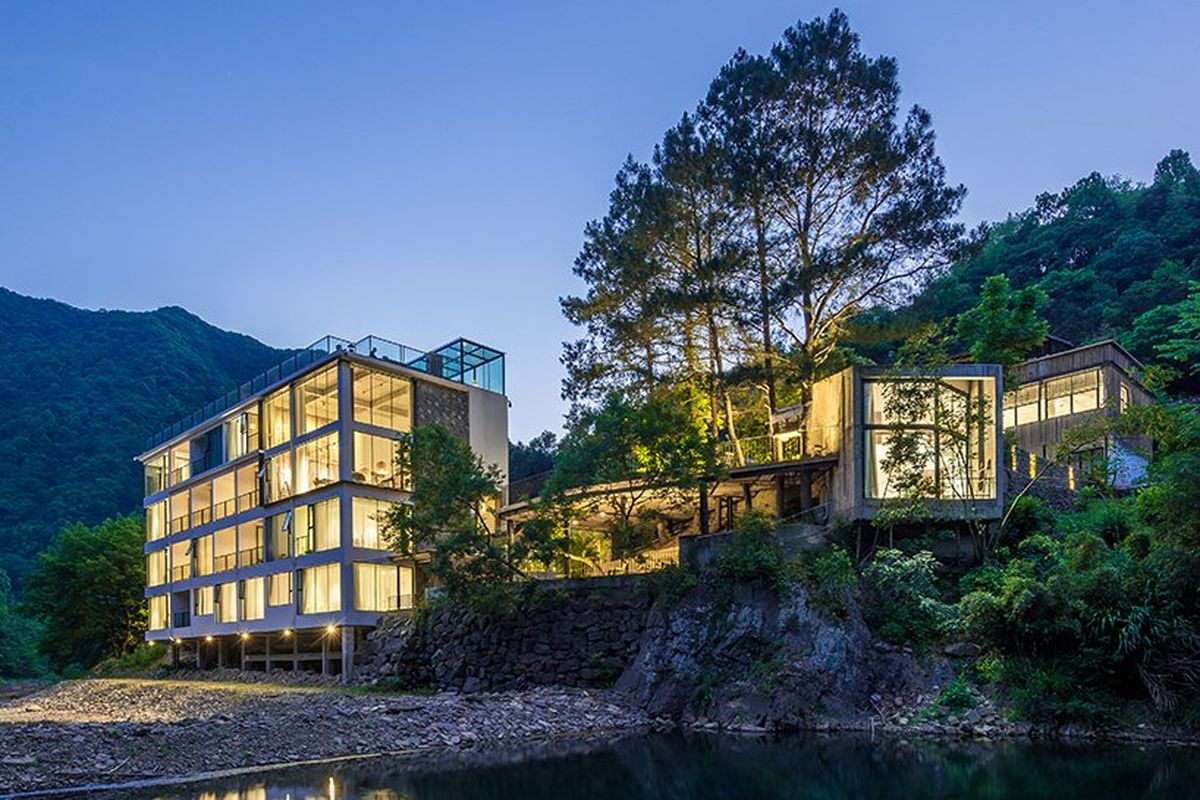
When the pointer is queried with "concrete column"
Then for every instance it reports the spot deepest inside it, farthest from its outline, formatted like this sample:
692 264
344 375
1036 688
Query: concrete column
703 507
295 650
347 654
199 654
806 500
779 497
220 653
267 660
324 653
747 496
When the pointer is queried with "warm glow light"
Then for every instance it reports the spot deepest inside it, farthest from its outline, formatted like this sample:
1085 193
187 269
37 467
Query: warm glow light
245 636
331 629
208 638
287 632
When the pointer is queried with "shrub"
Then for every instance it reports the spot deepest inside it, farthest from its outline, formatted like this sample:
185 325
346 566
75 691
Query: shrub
133 663
902 602
751 556
831 579
956 695
1027 516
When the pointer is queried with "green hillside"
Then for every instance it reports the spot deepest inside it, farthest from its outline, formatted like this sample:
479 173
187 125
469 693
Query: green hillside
1113 257
82 391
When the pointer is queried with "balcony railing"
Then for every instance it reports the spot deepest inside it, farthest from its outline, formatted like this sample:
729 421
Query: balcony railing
462 360
181 573
225 508
396 602
179 524
224 562
247 500
250 556
181 619
201 517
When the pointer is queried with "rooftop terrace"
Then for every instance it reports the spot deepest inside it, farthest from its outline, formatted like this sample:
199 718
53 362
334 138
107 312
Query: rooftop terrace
461 361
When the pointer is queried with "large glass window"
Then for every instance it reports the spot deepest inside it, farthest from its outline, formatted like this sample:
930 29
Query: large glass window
930 439
202 555
156 568
201 504
317 463
279 589
382 399
316 401
382 587
250 543
202 601
1021 406
252 598
227 602
156 474
277 419
321 589
225 549
158 613
247 487
278 471
370 519
241 434
375 461
224 491
279 536
179 512
1073 394
181 462
318 526
156 520
181 561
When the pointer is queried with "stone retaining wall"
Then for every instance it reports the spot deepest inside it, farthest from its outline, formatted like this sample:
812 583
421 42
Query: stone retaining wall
557 635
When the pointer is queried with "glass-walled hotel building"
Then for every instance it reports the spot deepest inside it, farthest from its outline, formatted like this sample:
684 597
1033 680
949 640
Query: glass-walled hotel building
264 511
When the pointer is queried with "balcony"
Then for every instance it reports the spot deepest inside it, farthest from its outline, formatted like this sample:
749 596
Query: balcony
181 573
201 517
179 524
181 619
250 556
224 562
247 500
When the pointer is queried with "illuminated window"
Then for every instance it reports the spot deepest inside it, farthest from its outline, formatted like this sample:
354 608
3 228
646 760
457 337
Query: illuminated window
370 518
279 589
316 401
202 555
279 536
382 587
318 527
224 549
382 399
250 543
227 602
278 473
158 613
321 589
317 463
1124 396
181 561
202 601
156 520
247 487
277 419
1073 394
179 512
156 568
946 448
224 495
241 434
251 591
375 461
180 463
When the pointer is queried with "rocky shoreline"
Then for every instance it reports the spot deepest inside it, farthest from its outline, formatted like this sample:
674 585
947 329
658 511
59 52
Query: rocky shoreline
107 731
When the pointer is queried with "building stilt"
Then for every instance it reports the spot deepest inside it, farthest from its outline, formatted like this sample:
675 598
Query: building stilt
347 654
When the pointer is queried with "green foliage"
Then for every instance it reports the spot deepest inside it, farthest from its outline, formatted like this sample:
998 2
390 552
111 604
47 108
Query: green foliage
448 513
533 458
751 556
18 639
831 579
1113 259
83 390
134 663
1006 326
956 695
670 583
901 600
1027 516
87 592
1184 344
1056 691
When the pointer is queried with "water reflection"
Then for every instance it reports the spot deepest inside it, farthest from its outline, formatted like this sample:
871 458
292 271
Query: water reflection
668 767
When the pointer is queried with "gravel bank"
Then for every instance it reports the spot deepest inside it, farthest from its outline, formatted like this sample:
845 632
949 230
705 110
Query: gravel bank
106 731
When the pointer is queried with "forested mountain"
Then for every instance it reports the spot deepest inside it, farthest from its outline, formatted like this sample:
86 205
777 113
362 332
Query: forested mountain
1113 257
82 392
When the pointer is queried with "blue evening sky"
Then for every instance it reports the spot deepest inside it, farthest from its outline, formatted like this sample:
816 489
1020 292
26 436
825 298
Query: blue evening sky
424 170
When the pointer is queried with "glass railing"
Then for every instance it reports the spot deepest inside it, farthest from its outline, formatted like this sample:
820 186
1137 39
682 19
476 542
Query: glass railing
224 562
181 619
461 360
250 556
181 573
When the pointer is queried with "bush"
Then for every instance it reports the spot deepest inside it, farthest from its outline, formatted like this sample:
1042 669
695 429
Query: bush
902 602
1027 516
135 662
831 580
751 556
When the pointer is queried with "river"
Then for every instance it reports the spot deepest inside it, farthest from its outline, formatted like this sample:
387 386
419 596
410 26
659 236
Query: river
663 767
